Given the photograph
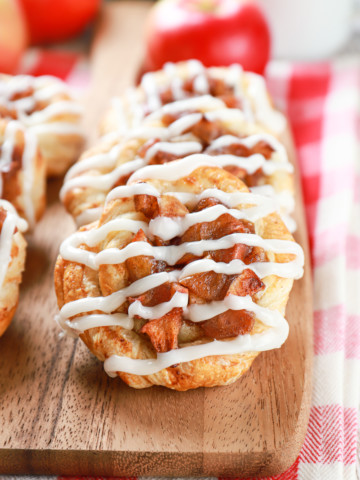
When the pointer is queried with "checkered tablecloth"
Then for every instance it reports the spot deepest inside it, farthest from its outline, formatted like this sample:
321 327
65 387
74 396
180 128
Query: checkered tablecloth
322 102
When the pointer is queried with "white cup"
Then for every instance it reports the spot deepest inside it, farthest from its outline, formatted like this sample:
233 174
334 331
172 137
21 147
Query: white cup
308 29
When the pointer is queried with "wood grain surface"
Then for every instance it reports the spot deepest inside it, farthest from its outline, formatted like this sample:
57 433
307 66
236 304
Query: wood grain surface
61 414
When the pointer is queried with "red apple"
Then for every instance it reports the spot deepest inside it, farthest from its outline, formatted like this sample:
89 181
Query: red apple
13 35
216 32
56 20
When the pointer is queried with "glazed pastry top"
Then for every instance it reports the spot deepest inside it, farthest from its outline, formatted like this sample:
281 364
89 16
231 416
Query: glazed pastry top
43 104
191 255
238 89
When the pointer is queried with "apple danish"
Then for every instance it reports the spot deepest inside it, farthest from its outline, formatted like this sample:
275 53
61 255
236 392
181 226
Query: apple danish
183 280
45 107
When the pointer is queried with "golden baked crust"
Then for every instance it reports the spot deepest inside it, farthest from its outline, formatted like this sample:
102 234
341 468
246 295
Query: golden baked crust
244 90
108 164
22 171
74 281
14 266
45 106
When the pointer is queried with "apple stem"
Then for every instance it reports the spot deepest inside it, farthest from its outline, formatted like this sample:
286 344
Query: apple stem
206 6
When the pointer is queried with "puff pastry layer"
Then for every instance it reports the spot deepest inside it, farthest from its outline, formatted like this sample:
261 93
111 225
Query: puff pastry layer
12 260
22 170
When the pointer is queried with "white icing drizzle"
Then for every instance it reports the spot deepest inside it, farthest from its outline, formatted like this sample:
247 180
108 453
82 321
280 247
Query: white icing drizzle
204 102
198 71
170 254
171 227
230 199
199 313
250 142
178 300
11 222
21 224
226 115
125 191
79 325
182 124
111 302
88 216
179 149
201 84
277 329
252 163
6 238
173 170
163 171
102 182
176 83
106 160
260 342
293 269
28 158
151 91
8 148
233 78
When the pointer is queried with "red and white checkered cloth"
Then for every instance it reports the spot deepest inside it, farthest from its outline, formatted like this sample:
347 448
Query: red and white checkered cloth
322 102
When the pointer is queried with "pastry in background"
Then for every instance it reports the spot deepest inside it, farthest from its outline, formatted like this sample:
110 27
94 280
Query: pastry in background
195 125
12 260
46 108
236 88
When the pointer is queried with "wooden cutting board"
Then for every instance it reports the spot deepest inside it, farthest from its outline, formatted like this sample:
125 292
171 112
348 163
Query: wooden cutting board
61 414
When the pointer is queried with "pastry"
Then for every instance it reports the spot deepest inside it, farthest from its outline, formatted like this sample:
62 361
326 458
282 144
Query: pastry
238 89
45 107
197 124
12 259
183 280
22 170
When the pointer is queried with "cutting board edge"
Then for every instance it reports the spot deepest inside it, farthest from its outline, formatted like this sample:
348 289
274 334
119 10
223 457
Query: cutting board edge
104 463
